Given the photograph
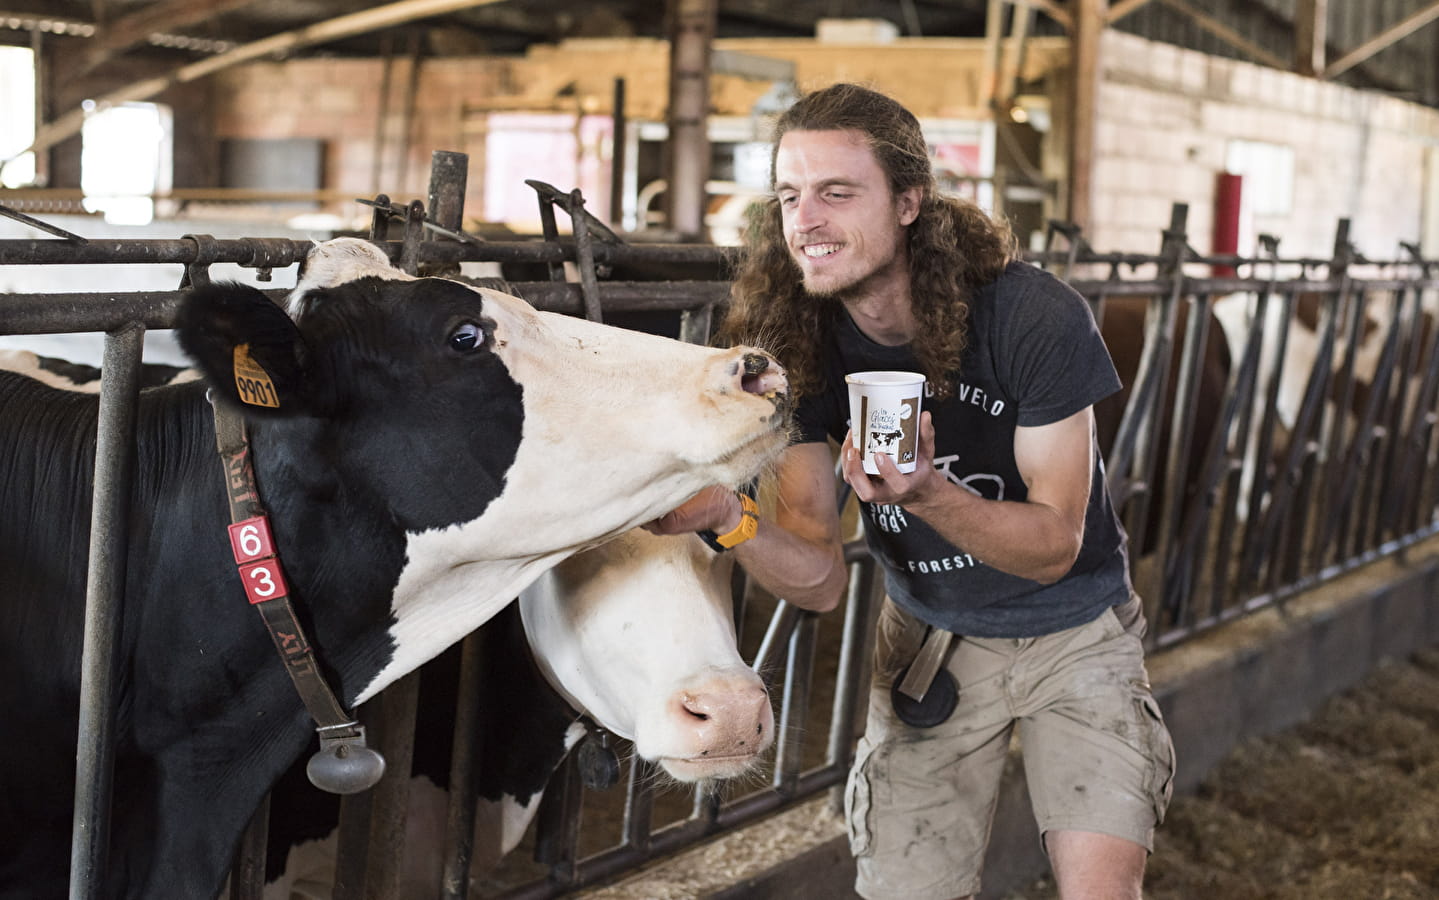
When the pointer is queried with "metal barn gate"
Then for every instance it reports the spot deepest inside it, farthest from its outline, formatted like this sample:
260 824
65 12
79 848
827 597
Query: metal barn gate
1276 507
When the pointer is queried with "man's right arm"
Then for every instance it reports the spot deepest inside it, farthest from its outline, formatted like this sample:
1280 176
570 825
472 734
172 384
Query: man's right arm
799 555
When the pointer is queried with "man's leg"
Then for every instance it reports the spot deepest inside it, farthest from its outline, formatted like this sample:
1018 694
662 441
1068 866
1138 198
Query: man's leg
1092 866
1098 760
919 801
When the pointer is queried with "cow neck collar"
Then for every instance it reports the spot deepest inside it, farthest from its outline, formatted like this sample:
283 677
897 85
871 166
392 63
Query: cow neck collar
343 765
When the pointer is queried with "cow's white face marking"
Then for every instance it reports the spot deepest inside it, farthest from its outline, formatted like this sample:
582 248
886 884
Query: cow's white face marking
619 428
639 634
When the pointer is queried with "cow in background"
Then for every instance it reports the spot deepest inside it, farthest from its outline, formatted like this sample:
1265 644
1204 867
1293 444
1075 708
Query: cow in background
430 447
1122 321
1300 342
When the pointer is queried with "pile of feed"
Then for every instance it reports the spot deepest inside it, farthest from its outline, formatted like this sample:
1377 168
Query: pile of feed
1344 806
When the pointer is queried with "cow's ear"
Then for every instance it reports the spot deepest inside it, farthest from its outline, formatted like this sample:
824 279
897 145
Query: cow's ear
248 347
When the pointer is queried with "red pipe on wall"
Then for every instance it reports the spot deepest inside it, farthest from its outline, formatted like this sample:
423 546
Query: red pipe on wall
1228 192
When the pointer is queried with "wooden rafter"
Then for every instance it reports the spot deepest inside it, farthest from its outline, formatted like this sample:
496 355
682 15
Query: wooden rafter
1054 11
1310 19
1385 38
168 15
1121 9
68 125
1227 34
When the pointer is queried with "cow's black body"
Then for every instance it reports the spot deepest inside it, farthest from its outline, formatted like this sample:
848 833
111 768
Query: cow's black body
207 718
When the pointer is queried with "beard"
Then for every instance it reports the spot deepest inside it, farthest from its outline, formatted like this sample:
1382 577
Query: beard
854 287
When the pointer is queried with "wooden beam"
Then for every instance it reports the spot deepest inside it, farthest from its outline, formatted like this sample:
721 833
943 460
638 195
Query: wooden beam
68 125
1013 56
1055 12
993 31
1085 42
1390 35
1311 19
691 26
1227 34
166 16
1122 9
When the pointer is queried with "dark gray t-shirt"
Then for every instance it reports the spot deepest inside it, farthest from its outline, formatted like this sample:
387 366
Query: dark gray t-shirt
1034 357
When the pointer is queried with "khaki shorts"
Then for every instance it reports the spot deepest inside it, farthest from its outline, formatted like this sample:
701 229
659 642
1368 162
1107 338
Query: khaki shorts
1097 756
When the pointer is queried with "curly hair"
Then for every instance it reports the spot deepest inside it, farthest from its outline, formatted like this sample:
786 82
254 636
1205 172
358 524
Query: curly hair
954 249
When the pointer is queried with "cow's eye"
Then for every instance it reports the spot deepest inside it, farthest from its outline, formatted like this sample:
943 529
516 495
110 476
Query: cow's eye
467 337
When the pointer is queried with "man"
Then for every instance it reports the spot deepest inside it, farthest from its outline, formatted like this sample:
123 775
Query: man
1003 535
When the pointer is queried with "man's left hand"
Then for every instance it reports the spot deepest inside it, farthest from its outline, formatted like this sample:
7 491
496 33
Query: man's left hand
891 486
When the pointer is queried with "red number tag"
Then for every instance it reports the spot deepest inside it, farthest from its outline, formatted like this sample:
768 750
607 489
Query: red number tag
263 581
250 540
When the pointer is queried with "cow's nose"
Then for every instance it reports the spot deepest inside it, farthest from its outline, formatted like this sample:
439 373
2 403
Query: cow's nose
760 373
727 718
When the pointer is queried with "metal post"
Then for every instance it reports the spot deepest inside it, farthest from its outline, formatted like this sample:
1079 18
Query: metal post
618 139
104 595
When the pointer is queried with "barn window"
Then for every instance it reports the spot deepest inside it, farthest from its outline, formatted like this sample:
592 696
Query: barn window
17 111
125 159
1268 171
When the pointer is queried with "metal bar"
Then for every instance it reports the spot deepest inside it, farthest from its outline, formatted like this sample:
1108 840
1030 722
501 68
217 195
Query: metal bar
1181 433
449 175
247 877
852 677
104 599
465 755
390 802
1245 385
585 257
603 866
781 626
71 313
619 123
558 823
794 707
639 805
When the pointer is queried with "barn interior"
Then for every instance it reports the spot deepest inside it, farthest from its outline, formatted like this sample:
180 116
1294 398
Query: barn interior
1294 130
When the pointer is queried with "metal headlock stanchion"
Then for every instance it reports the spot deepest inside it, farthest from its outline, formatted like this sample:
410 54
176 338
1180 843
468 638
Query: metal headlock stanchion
1364 476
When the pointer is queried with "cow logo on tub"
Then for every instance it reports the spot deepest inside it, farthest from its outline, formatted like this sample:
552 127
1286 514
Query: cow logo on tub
885 430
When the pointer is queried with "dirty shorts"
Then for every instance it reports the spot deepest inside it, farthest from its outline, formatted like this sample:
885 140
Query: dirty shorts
1097 756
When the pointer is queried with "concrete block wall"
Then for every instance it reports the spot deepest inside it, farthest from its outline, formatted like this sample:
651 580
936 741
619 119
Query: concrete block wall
1166 116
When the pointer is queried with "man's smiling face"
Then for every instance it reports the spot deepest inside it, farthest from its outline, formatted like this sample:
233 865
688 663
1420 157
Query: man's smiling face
843 226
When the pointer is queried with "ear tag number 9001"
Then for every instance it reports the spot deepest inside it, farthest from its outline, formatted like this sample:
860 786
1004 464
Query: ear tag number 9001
252 382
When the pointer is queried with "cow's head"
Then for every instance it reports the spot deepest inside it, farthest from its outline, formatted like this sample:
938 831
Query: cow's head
500 439
639 634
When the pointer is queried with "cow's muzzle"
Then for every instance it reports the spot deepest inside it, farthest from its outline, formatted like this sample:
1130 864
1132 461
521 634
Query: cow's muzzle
761 374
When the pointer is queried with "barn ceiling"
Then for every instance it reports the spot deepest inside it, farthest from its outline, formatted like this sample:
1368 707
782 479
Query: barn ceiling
156 33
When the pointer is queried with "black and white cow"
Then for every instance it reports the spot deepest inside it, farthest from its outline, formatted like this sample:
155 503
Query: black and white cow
638 634
435 449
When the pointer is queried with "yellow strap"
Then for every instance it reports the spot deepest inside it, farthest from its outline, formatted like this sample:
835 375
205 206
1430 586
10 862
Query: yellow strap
747 527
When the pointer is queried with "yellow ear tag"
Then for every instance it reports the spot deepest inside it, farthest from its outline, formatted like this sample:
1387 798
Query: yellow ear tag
253 382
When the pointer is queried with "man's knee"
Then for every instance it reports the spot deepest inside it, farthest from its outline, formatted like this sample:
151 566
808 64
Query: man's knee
1092 866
